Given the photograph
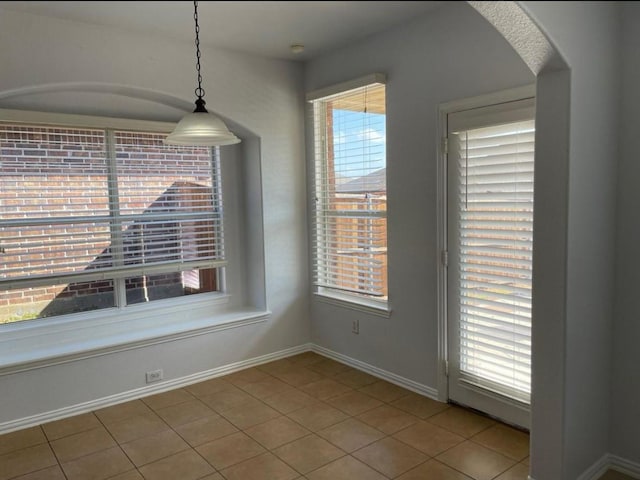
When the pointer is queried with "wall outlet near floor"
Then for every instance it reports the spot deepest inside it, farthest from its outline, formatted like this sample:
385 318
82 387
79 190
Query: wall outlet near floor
355 326
154 376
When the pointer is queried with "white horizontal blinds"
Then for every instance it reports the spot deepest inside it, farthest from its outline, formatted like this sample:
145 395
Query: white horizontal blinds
65 216
169 204
350 195
54 204
495 198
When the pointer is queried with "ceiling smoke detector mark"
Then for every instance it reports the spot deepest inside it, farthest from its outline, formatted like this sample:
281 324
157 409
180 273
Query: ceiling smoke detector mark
297 48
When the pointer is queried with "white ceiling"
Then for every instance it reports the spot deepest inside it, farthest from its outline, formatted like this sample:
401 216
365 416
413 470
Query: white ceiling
263 28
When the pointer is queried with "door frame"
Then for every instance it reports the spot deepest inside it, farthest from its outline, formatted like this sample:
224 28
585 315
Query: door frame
444 109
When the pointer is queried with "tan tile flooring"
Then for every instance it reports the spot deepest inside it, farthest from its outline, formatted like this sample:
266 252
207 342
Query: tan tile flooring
304 417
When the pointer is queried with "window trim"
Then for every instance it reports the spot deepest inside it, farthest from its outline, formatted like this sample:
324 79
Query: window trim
355 300
64 338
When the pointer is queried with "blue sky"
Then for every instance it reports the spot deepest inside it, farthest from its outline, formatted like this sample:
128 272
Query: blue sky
359 142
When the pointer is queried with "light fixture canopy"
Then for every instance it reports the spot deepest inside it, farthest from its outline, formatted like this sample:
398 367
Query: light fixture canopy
200 128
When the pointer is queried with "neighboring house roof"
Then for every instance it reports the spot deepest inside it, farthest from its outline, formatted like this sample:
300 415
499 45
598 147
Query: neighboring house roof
374 182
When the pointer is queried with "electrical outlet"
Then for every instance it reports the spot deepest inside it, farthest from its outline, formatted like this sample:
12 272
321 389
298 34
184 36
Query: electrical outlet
154 376
355 326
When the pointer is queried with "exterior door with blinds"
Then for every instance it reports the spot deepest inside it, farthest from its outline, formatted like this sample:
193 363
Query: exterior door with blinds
490 239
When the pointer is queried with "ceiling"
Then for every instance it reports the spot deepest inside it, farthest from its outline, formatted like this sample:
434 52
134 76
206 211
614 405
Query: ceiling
262 28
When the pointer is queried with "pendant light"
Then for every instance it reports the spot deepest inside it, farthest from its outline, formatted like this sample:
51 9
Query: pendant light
200 128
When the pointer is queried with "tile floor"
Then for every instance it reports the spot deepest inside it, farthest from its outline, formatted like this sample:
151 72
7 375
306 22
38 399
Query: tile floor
304 417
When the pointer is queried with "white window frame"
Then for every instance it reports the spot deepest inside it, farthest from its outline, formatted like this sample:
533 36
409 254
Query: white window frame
345 299
59 339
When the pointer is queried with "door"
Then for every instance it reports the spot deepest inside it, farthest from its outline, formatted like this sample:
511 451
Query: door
490 164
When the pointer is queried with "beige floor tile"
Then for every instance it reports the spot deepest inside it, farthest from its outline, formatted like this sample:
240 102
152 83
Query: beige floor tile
130 475
345 468
476 461
277 366
461 421
213 476
187 465
517 472
29 437
428 438
317 416
390 457
154 447
262 467
98 466
229 450
267 388
298 376
290 401
388 419
330 367
27 460
136 427
185 412
51 473
81 444
276 432
167 399
419 405
508 441
354 403
433 470
117 413
249 375
325 388
69 426
526 461
208 387
228 399
385 391
308 453
355 378
351 434
206 430
306 358
246 416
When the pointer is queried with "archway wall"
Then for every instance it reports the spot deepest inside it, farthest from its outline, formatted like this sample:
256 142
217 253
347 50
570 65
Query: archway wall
577 146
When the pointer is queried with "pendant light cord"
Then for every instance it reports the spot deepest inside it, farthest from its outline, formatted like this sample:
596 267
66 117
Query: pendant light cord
198 91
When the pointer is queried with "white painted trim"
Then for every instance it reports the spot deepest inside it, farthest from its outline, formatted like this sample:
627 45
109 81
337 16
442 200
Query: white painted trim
610 462
344 87
596 470
381 309
151 337
85 121
444 109
378 372
625 466
153 389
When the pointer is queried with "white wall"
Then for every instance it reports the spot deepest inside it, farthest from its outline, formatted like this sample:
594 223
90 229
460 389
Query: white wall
260 95
625 427
449 54
585 33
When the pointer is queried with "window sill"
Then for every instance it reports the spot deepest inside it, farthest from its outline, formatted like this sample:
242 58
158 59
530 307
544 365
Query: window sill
35 344
372 307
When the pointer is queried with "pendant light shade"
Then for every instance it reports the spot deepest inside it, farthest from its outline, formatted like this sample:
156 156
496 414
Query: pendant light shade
200 128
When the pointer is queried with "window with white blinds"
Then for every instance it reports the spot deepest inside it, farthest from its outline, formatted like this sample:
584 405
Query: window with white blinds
94 218
350 234
495 234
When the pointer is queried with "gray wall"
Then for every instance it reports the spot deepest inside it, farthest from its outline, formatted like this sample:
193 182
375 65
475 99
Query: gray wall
625 429
263 97
449 54
585 33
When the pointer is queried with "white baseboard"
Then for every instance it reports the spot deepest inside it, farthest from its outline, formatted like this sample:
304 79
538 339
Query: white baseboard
625 466
596 470
378 372
145 391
